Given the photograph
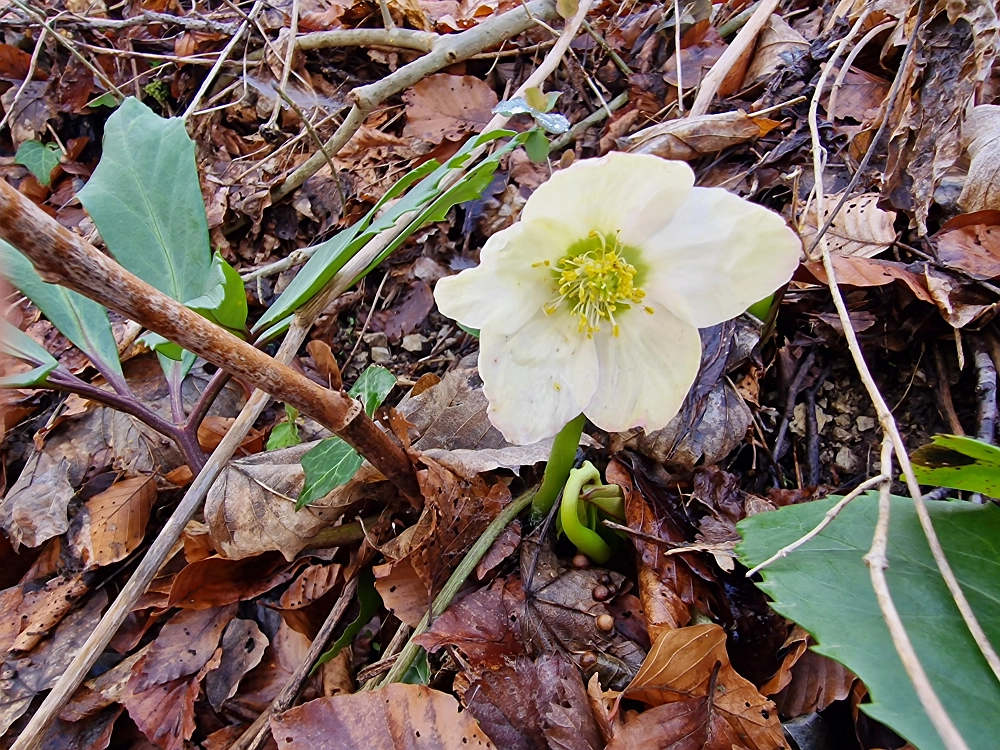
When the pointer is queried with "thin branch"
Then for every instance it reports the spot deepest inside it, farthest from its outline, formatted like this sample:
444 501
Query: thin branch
447 50
152 17
286 68
421 41
877 563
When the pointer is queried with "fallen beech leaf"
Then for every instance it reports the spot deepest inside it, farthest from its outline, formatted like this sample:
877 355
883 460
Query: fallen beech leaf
778 46
260 685
214 428
217 581
396 716
865 272
485 626
405 317
696 60
311 584
243 647
959 302
184 645
534 704
981 135
29 612
444 106
689 724
92 734
165 713
860 229
971 243
102 691
693 137
860 96
322 355
114 521
681 666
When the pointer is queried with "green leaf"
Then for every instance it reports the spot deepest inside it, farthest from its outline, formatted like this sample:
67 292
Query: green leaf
553 122
419 672
39 158
825 587
333 254
471 331
16 343
962 463
107 99
372 387
333 462
329 465
81 320
286 434
145 199
370 601
225 303
162 345
537 146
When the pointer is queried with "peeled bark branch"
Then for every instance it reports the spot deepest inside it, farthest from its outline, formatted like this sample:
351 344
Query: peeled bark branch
61 257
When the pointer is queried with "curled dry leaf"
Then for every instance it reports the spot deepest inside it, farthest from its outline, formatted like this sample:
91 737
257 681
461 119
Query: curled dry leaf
865 272
681 666
113 522
243 646
448 107
693 137
959 303
981 133
29 612
778 46
970 243
860 229
218 581
387 719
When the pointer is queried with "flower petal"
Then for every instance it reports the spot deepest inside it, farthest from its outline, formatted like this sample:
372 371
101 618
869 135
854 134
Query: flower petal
508 287
611 193
646 371
719 256
539 378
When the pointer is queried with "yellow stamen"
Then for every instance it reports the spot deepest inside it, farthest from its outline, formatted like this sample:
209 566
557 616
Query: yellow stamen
596 284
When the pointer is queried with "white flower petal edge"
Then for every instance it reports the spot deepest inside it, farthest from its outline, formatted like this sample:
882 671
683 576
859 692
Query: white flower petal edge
539 378
612 193
645 372
718 256
506 289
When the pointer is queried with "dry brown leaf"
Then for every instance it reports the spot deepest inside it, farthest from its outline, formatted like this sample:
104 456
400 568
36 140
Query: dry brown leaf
310 585
393 717
213 429
29 612
243 646
981 134
184 645
860 229
448 107
693 137
859 97
681 666
696 60
114 521
689 724
971 243
326 363
959 302
865 272
217 581
778 46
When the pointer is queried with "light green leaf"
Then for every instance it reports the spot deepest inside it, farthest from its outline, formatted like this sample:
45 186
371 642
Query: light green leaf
225 302
39 158
962 463
370 601
419 672
107 99
16 343
553 122
331 255
825 587
162 345
145 199
372 387
329 465
286 434
81 320
537 146
333 462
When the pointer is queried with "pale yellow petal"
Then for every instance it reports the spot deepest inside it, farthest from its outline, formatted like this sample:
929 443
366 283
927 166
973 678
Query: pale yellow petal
646 371
539 378
717 257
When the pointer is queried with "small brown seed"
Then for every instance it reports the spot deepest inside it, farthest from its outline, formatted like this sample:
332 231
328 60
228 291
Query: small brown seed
581 561
600 593
588 659
605 623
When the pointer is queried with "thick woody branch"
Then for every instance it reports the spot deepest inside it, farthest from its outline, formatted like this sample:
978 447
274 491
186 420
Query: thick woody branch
63 258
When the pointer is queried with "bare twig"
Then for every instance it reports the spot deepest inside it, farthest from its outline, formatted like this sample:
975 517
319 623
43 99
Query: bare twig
39 46
831 105
149 17
421 41
986 391
943 392
286 70
877 563
257 734
793 392
598 115
447 50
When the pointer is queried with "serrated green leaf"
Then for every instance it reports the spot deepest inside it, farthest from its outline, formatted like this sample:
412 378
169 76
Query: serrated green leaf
962 463
146 201
329 465
333 462
39 158
16 343
225 302
370 601
81 320
537 146
825 587
422 185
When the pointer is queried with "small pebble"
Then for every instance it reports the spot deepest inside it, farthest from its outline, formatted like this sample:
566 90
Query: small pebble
865 423
581 561
380 354
600 593
376 338
413 343
605 623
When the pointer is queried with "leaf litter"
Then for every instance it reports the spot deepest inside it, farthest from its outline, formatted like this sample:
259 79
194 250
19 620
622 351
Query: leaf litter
669 646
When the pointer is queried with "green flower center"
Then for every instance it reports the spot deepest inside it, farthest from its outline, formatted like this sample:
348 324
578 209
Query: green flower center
596 281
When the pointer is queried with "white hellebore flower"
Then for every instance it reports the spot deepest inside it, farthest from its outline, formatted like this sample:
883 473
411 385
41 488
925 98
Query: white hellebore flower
592 301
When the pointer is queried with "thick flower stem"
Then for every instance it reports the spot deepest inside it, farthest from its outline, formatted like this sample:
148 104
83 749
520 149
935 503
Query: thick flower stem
557 470
587 540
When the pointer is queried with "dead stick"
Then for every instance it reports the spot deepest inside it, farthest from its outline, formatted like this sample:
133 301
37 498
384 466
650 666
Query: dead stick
986 391
256 734
63 258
